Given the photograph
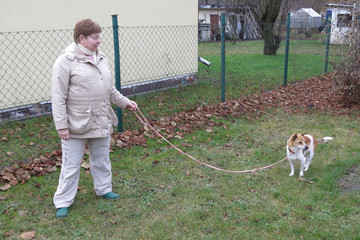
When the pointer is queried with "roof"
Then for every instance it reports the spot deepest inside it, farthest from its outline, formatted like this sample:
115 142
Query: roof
218 6
211 7
310 11
339 5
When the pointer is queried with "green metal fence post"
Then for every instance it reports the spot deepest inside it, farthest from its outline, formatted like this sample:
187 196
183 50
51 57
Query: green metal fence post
223 57
117 68
287 49
328 28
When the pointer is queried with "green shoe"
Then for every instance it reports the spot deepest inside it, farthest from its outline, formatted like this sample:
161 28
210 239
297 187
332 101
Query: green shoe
111 195
62 212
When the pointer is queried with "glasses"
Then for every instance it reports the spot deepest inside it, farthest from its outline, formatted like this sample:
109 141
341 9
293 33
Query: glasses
95 37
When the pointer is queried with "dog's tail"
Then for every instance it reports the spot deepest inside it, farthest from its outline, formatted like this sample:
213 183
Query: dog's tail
325 139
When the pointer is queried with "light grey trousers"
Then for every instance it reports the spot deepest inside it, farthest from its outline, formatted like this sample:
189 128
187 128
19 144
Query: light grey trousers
72 155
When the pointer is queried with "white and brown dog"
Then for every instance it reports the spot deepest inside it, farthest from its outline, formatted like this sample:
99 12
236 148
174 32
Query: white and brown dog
301 147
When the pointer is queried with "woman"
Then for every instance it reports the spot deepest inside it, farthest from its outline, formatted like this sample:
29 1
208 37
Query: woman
82 94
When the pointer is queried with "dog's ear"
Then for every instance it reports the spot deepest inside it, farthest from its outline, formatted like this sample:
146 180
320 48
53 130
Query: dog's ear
303 134
294 137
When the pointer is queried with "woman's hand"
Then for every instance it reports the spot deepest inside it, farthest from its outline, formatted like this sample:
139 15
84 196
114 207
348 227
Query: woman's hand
64 134
132 106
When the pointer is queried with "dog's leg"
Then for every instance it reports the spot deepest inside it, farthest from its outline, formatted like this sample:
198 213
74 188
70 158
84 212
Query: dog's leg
292 168
302 161
308 160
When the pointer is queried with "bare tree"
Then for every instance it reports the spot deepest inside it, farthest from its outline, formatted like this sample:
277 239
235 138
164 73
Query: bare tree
267 12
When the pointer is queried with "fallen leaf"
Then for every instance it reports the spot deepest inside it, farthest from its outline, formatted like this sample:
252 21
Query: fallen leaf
4 197
146 154
178 137
85 165
9 234
22 213
304 180
28 235
5 187
14 182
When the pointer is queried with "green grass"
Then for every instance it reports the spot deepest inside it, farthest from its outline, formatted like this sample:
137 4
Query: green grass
26 140
165 195
249 71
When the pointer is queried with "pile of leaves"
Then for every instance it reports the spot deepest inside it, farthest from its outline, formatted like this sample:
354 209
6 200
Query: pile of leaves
316 93
21 172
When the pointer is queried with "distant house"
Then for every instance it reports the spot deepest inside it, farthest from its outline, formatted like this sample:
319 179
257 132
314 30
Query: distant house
305 18
240 23
343 20
209 22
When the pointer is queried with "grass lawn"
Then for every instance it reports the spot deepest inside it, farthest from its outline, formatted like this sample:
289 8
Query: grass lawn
165 195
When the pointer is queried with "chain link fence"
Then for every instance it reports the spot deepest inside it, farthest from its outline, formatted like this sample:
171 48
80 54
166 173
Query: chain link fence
151 58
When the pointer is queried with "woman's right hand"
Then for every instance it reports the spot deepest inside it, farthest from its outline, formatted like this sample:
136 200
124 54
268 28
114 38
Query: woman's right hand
132 106
64 134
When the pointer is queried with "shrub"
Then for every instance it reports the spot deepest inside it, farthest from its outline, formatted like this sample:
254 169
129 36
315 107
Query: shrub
347 74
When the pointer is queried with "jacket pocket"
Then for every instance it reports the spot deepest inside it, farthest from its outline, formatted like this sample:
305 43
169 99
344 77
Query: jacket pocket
112 117
79 119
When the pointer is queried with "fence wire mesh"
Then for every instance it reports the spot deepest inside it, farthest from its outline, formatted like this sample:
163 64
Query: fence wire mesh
151 58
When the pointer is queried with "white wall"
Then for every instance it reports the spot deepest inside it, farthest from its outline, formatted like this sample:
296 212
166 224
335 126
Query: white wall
158 38
338 35
28 15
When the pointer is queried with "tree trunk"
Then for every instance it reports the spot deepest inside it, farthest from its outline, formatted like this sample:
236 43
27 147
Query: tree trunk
271 40
266 13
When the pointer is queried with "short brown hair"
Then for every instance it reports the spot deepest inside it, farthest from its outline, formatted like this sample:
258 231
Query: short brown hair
85 27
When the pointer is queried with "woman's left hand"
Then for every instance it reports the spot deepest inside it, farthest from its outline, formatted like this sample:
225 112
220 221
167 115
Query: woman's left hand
132 106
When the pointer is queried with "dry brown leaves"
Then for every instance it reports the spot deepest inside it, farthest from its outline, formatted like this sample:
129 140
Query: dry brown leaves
20 173
306 96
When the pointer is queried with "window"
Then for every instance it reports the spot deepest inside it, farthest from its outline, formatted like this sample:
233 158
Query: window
344 20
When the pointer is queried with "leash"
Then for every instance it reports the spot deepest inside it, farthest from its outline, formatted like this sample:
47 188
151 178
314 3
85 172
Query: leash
145 122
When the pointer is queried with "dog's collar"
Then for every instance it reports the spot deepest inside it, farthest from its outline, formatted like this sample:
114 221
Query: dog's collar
291 151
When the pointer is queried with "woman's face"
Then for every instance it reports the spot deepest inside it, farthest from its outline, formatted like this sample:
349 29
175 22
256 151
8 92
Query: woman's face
91 42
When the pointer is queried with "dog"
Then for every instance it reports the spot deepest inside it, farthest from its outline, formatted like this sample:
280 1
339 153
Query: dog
301 147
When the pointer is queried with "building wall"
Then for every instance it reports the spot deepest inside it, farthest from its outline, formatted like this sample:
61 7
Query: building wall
205 14
339 34
28 15
153 36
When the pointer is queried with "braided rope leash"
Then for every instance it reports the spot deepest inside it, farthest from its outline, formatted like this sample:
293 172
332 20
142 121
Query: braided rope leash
145 122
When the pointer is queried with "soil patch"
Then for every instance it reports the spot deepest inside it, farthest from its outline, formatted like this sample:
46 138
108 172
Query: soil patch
351 180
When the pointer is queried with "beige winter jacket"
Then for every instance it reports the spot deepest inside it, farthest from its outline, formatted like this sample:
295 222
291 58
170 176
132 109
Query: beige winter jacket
82 93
